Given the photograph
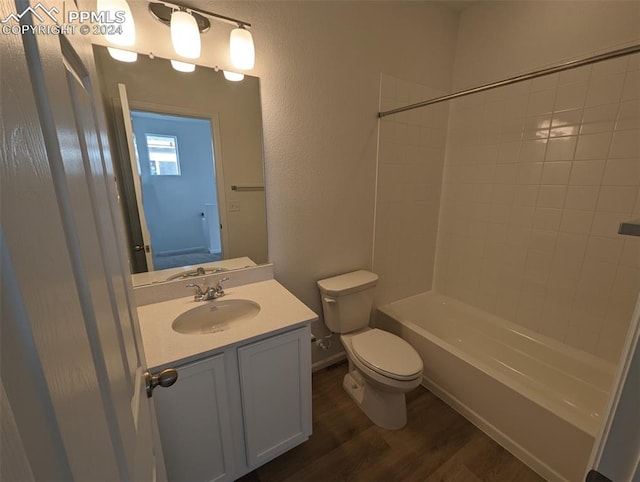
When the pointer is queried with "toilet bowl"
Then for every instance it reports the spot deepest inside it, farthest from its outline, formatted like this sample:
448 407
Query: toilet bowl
382 366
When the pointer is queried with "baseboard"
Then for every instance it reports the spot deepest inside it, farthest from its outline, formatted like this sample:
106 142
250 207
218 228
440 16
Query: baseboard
332 360
490 430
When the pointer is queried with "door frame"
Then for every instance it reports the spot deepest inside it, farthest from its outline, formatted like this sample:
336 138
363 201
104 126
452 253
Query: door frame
214 119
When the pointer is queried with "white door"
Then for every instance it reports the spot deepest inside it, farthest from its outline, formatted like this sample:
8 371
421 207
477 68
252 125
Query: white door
135 172
72 359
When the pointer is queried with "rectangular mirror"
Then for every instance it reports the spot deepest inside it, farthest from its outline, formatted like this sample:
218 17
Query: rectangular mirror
188 157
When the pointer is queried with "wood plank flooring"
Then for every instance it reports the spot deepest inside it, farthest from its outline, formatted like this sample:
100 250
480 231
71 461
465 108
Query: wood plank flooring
437 444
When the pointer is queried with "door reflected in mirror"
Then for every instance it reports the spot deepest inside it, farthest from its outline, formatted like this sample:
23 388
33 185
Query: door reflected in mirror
190 175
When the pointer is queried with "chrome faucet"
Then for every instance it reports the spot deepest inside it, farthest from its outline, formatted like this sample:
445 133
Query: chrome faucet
209 293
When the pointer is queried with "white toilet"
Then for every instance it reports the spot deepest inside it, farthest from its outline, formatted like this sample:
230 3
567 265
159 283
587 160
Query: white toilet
382 366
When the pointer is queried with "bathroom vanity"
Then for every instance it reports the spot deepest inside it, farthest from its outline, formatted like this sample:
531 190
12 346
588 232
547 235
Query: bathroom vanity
243 394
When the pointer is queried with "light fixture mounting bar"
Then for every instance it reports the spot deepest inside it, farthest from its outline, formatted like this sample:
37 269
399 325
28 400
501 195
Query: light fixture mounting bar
214 16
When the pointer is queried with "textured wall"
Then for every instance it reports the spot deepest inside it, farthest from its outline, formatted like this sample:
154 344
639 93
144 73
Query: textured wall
319 67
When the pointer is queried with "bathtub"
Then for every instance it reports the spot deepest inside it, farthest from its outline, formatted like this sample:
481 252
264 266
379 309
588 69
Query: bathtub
540 399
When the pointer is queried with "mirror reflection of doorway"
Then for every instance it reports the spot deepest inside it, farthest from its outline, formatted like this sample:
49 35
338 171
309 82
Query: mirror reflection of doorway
176 165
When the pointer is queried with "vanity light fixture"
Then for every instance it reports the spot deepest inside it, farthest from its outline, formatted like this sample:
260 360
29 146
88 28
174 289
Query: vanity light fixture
241 50
185 35
182 66
123 55
186 40
126 38
232 76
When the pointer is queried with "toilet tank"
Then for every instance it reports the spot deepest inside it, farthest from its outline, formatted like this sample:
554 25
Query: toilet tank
347 300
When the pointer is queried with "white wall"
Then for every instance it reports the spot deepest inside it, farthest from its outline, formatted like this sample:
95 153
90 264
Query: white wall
498 39
538 175
319 65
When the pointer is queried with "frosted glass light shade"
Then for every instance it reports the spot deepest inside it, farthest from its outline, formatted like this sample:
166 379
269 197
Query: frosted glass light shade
185 35
128 36
241 50
232 76
182 66
123 55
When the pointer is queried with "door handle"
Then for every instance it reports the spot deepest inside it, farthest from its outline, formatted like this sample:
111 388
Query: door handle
165 378
139 247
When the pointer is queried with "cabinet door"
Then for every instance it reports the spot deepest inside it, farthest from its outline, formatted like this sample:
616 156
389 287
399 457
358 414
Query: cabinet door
193 418
275 380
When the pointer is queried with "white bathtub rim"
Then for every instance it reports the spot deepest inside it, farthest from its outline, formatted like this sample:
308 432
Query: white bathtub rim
582 356
584 424
498 436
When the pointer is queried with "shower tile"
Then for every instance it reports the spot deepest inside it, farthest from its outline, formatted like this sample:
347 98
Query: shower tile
533 150
579 74
631 89
627 279
541 102
617 198
560 148
593 146
515 108
581 197
508 152
543 240
605 89
571 246
609 67
625 144
604 250
587 173
576 221
634 62
571 96
545 82
629 110
606 223
530 173
622 172
526 195
547 218
551 196
631 253
555 172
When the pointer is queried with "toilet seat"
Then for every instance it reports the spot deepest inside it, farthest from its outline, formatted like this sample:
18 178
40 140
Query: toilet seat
387 354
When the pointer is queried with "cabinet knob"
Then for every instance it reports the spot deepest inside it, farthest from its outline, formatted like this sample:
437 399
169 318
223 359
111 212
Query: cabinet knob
165 378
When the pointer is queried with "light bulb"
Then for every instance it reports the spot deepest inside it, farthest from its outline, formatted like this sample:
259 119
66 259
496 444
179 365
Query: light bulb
232 76
128 36
123 55
185 35
241 50
182 66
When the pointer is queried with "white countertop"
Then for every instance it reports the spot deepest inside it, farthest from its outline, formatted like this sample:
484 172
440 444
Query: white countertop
279 310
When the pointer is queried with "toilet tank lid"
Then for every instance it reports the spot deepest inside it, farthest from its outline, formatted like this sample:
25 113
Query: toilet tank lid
348 283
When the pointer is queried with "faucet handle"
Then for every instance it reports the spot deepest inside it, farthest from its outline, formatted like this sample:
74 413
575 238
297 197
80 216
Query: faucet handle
198 294
219 291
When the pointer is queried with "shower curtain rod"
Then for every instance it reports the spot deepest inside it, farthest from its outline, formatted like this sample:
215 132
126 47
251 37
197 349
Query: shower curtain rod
518 78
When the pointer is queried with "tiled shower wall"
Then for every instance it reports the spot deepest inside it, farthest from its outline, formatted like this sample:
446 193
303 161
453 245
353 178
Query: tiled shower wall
410 162
538 175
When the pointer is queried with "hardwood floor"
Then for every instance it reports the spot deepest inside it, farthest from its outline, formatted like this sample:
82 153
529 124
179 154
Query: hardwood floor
437 444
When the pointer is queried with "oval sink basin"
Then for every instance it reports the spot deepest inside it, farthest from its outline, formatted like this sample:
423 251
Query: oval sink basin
214 316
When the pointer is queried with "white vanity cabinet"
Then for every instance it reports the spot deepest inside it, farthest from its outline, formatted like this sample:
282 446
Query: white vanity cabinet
275 381
234 411
195 425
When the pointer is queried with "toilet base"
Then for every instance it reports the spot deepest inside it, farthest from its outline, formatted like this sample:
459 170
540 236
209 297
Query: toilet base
385 409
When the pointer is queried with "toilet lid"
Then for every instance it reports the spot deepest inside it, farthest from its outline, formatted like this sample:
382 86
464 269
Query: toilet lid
387 354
